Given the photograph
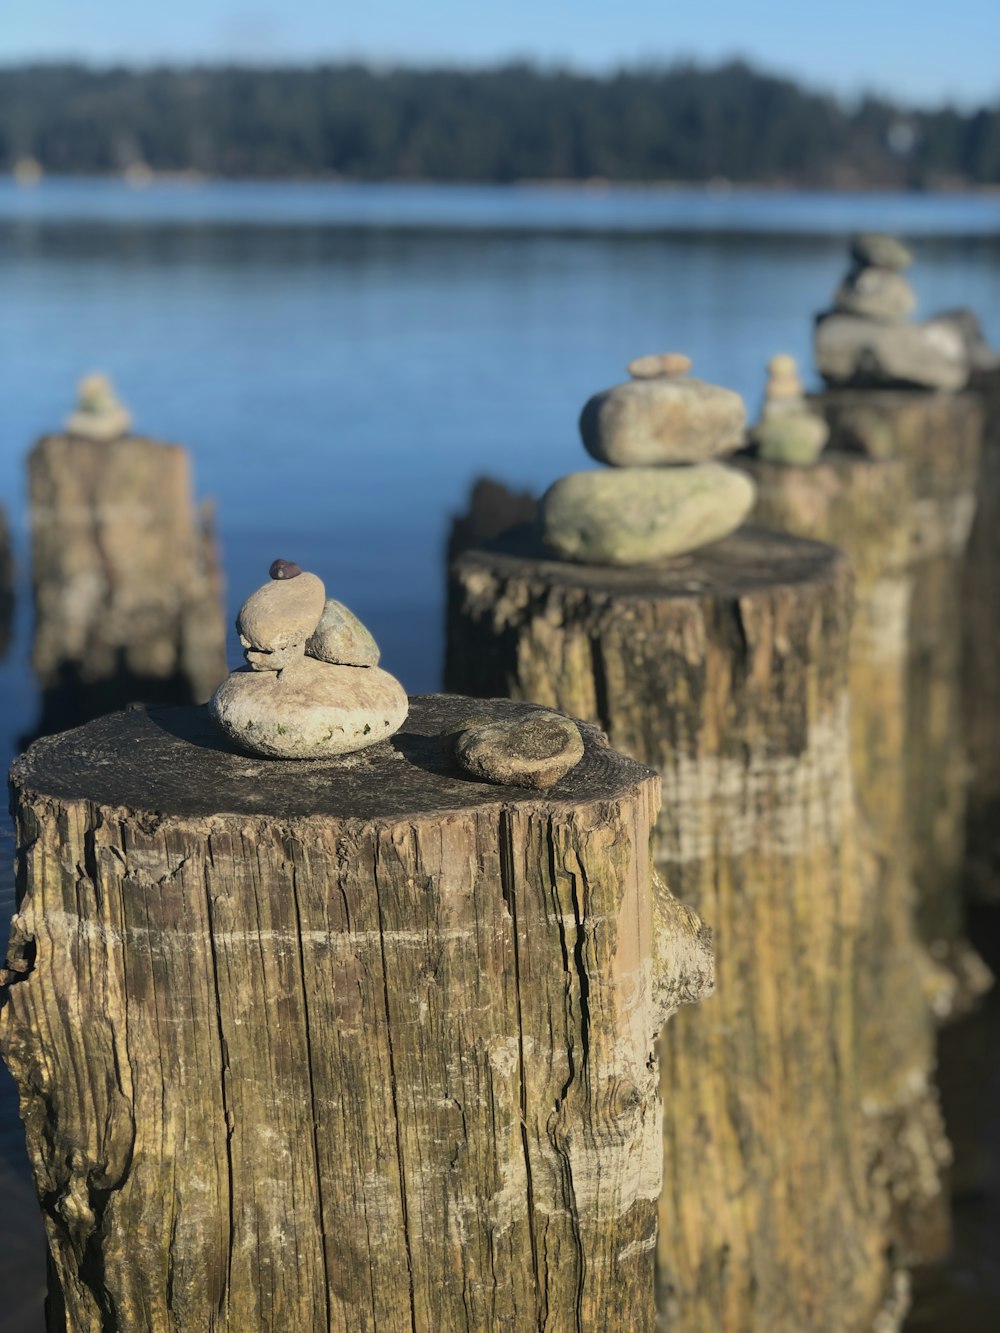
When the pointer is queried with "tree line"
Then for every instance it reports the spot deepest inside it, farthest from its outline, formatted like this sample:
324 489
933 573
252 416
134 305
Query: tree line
516 122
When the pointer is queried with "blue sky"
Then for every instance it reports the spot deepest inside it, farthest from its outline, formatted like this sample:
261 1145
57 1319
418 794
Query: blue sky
918 50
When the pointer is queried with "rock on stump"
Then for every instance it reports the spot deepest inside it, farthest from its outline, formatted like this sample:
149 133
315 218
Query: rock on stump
127 585
938 438
727 671
863 506
345 1044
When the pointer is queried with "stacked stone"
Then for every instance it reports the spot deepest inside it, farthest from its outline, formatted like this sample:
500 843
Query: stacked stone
664 494
788 431
312 686
98 415
866 340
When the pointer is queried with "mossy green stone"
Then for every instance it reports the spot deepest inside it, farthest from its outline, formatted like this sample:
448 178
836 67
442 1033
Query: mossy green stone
795 439
634 516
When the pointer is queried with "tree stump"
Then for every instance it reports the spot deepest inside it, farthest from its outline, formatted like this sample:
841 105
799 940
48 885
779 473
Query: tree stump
127 584
347 1044
863 505
727 671
938 438
981 692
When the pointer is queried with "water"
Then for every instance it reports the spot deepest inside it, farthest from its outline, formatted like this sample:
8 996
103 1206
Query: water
342 361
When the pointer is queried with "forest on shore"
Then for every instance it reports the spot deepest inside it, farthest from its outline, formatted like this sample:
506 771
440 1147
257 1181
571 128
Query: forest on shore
683 123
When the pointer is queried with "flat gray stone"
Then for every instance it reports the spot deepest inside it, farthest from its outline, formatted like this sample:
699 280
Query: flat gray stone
880 249
861 353
664 420
981 356
275 621
341 638
633 516
312 710
876 293
534 751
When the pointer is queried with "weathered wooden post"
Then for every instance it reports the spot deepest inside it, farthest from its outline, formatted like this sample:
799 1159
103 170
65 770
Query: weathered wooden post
127 583
863 505
340 1044
725 668
6 585
893 394
981 690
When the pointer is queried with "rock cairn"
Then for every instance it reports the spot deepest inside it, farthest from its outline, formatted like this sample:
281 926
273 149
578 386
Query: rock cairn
312 686
788 431
98 415
664 493
867 341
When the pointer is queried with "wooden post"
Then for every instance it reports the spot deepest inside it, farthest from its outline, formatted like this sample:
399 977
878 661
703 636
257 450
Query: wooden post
346 1044
938 438
981 691
127 585
864 506
727 671
6 586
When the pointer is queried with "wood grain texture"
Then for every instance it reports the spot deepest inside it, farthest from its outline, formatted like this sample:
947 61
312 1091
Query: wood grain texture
126 577
727 671
864 506
351 1044
981 685
938 438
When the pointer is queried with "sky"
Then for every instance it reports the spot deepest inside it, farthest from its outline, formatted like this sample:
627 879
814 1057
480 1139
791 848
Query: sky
918 51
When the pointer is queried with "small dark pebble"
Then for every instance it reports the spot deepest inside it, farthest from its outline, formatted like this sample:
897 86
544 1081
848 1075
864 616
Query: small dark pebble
285 569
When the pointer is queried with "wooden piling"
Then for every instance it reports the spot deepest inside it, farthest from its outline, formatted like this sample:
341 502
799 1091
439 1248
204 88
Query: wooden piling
126 577
727 671
864 506
346 1044
938 438
981 656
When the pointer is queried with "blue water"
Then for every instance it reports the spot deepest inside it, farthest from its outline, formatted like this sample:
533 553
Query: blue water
342 361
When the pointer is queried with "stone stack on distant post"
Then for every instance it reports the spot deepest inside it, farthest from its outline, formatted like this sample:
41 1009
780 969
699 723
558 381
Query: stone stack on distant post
125 569
342 1043
894 397
722 663
863 505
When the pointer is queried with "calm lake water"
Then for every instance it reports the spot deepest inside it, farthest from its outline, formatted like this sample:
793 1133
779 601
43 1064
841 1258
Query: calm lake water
342 361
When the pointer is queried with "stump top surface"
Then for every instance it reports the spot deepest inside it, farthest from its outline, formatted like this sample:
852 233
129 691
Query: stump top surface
752 558
175 762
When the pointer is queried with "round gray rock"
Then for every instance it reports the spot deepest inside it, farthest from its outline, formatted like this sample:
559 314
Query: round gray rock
880 249
310 711
275 621
876 293
662 421
634 516
341 638
535 751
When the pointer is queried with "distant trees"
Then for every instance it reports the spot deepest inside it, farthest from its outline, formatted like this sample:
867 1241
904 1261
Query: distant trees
516 122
